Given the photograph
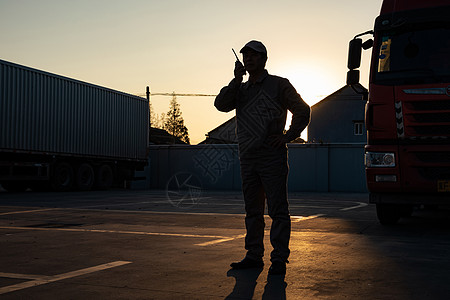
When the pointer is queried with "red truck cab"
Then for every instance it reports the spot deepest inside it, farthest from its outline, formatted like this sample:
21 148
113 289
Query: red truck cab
407 155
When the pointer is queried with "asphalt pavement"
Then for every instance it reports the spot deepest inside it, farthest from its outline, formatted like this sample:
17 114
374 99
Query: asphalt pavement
127 244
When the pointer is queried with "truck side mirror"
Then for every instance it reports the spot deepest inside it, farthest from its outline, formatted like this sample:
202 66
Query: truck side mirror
354 54
352 77
367 44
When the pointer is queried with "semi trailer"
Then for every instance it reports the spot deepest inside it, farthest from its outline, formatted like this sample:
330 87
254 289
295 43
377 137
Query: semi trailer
63 134
407 156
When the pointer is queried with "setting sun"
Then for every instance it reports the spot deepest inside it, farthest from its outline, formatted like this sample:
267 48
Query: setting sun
312 82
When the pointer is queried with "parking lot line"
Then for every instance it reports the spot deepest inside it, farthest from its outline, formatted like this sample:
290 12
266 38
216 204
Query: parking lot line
24 276
217 238
39 280
116 231
296 219
26 211
360 204
218 241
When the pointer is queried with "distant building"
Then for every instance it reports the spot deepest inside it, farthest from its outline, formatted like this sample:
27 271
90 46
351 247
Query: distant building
339 118
226 134
223 134
159 136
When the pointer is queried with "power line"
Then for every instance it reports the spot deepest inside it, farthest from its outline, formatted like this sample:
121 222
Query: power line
178 94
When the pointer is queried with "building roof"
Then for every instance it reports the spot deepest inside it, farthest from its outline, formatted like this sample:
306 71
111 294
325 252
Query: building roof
225 133
161 137
222 126
344 93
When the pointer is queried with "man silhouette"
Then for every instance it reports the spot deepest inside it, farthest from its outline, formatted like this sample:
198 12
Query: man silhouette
261 106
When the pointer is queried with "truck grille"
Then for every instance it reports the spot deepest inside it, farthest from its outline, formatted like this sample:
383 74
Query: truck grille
432 118
433 157
431 165
431 131
434 173
427 118
430 105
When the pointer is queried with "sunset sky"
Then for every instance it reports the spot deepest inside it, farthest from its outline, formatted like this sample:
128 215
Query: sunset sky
184 46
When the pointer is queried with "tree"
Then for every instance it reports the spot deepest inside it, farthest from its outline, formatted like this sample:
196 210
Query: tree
160 119
174 122
153 116
156 120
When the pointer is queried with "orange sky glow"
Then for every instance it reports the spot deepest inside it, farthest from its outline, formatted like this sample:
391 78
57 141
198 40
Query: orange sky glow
184 46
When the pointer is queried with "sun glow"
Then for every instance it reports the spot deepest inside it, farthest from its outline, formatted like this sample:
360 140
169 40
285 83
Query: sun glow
311 82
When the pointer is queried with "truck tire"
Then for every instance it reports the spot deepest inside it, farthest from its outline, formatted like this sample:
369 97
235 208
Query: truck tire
15 186
104 177
388 214
85 177
62 177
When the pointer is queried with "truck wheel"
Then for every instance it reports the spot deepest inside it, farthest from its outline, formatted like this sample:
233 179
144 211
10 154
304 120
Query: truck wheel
62 177
15 186
85 177
104 177
388 214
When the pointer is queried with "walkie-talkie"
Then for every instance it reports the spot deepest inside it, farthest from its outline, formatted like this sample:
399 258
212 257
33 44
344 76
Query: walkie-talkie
237 58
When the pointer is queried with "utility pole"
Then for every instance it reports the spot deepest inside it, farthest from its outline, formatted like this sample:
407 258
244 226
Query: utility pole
148 99
173 95
149 112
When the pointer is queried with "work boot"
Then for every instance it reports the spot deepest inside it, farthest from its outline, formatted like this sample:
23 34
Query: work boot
247 263
277 268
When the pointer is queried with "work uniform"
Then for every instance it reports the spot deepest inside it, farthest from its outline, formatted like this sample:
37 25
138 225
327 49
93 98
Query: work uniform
261 111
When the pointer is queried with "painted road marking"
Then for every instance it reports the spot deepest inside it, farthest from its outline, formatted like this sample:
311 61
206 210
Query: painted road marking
217 238
296 219
214 242
39 280
116 231
360 204
24 276
300 218
26 211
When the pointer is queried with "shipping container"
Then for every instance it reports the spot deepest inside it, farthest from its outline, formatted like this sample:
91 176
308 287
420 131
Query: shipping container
52 126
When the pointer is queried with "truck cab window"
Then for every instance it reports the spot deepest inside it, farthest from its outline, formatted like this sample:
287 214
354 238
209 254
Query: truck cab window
417 57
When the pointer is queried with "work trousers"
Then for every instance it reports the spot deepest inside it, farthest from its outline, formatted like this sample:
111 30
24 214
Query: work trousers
265 177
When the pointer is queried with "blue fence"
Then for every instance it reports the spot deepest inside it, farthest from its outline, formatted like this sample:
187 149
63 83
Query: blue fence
312 167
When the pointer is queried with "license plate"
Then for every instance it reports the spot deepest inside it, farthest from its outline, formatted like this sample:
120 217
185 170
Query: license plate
444 186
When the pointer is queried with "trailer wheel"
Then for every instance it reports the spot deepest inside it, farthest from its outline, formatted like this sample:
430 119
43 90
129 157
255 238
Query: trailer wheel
388 214
104 177
62 177
85 177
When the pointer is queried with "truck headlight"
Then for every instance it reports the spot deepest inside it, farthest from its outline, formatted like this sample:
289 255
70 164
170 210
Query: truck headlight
379 159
